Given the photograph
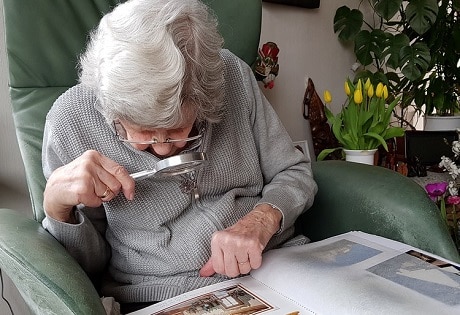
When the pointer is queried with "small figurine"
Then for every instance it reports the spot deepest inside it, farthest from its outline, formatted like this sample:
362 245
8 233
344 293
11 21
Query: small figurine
266 67
416 168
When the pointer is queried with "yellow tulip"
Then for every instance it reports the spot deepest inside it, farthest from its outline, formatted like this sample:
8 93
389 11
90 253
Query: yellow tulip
347 88
360 85
327 96
358 96
379 90
367 84
370 91
385 92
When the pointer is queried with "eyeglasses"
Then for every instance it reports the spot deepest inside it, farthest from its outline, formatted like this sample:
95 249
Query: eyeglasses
122 135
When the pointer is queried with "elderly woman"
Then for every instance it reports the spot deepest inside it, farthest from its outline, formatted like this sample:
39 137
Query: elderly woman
154 83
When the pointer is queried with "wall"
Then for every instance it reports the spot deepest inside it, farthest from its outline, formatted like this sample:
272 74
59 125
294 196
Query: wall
309 48
11 169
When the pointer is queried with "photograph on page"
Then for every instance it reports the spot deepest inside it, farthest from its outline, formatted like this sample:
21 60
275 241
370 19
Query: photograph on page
235 299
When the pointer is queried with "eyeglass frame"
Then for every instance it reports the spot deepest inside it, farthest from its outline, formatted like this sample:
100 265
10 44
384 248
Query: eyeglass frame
117 126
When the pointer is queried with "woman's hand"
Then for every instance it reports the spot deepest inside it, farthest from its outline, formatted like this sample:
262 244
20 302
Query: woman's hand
238 249
90 179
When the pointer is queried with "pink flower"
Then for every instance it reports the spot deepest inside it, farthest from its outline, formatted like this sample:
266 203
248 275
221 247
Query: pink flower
436 189
453 200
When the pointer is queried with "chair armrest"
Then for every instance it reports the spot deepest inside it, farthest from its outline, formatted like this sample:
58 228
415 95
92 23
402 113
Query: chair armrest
375 200
48 278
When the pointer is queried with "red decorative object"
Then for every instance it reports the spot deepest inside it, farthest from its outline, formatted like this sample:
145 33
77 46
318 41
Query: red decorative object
266 67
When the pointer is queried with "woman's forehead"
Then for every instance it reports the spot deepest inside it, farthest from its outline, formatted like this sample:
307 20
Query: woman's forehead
184 125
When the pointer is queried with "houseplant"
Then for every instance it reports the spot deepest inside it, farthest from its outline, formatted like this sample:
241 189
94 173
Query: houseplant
412 46
364 121
446 194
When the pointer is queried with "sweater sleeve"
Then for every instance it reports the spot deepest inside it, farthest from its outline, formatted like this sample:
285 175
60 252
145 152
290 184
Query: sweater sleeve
84 241
288 179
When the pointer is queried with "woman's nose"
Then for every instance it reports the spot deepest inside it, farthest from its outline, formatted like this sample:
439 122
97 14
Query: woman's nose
162 148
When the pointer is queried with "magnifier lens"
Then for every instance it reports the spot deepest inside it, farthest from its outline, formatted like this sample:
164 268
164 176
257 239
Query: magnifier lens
185 167
175 165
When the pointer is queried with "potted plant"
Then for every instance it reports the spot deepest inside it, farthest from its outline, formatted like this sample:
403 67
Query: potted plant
446 194
412 46
364 123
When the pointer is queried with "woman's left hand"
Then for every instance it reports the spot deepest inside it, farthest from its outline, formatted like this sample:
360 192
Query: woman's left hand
238 249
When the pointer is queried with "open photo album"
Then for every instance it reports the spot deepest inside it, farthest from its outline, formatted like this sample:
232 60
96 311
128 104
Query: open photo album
352 273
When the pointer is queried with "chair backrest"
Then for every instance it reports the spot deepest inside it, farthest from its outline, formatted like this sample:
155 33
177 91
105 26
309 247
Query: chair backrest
44 39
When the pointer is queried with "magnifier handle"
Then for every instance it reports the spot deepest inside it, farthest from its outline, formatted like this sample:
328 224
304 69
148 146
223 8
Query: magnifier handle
143 174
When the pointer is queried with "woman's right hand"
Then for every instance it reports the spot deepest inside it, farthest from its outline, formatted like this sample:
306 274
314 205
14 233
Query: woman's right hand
90 179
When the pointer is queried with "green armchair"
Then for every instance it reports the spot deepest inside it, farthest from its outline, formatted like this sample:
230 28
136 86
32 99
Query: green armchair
44 38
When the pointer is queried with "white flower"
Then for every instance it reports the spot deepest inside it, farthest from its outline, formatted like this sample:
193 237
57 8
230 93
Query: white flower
453 170
456 148
445 162
450 166
453 189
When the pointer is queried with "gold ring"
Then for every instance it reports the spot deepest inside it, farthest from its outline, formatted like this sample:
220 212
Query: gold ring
106 193
244 262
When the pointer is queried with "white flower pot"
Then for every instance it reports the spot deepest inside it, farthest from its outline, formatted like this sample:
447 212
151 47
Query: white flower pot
439 123
360 156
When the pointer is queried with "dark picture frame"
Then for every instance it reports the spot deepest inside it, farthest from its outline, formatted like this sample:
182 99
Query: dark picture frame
428 146
309 4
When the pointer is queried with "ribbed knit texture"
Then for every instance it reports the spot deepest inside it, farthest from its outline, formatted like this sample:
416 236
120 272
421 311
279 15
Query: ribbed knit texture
160 240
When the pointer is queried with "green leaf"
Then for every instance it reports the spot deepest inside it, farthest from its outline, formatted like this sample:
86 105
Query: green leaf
337 130
364 75
422 14
394 132
349 142
376 77
362 48
419 97
443 209
389 110
436 91
379 138
391 79
387 8
368 45
351 121
347 22
394 44
322 155
456 37
378 128
415 60
438 101
329 115
429 107
456 4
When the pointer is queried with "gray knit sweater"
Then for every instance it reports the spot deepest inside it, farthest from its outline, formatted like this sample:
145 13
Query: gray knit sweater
155 245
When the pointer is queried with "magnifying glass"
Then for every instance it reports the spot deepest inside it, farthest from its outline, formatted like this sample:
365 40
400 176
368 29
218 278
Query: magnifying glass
174 165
